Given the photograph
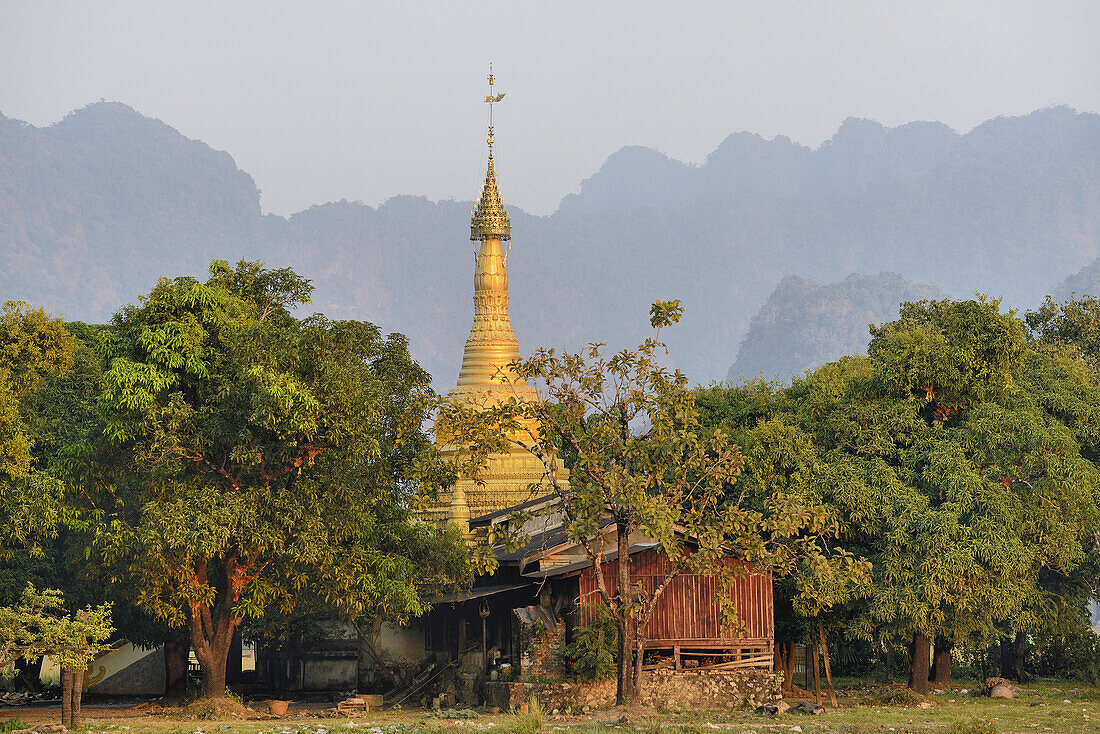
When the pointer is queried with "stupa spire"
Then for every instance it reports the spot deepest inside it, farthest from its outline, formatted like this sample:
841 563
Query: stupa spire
492 343
514 476
490 219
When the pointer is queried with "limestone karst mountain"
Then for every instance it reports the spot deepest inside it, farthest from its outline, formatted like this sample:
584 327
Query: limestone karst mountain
95 208
803 325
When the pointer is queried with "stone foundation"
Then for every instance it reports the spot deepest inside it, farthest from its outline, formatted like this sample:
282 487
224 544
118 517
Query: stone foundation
663 688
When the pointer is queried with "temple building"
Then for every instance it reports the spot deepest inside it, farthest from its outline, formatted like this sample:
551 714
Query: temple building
518 621
513 478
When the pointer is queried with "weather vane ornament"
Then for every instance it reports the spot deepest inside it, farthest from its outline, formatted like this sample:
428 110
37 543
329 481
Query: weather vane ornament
490 219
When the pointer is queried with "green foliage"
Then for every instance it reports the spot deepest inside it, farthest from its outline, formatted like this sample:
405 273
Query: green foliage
898 697
641 462
33 346
593 648
34 350
955 457
38 625
1074 656
974 726
1074 324
247 465
530 722
12 725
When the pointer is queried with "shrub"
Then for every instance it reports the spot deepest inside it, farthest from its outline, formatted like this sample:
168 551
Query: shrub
899 697
13 724
526 723
974 726
593 649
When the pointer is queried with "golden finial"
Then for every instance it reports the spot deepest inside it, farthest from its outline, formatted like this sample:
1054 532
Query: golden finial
490 219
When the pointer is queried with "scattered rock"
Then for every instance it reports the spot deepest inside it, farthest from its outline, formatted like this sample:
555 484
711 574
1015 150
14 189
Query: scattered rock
924 705
807 707
782 706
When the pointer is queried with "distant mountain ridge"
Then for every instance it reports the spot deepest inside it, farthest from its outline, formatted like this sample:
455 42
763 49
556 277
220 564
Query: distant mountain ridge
803 325
95 208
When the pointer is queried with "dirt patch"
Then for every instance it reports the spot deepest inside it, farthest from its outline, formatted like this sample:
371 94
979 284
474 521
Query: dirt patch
209 709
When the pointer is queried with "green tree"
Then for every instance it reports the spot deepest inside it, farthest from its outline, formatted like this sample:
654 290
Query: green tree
33 347
246 455
957 467
38 625
641 464
954 457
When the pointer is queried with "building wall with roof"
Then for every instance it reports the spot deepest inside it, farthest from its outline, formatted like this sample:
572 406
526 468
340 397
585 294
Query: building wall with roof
688 613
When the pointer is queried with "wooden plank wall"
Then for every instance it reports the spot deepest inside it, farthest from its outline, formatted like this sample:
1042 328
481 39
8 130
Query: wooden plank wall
688 610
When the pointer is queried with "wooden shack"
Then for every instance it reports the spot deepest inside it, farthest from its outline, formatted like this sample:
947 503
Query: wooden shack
687 619
552 578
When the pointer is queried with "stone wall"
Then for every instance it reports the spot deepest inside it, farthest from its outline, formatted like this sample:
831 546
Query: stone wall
540 640
663 688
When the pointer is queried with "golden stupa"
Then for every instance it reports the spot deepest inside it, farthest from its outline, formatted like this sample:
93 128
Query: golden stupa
513 478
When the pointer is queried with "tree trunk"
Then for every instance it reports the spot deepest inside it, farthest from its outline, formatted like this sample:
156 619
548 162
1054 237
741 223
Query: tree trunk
67 697
825 657
887 668
624 667
941 662
1012 657
639 657
175 668
784 661
212 629
78 695
366 649
213 676
812 648
624 688
918 666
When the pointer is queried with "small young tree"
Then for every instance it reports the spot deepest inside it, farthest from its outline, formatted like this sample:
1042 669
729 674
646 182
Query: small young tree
39 626
641 464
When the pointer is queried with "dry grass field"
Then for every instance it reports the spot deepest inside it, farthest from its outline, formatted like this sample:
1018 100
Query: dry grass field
1041 707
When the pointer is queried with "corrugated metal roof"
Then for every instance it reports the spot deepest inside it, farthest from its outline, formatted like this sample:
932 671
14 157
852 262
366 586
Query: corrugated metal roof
479 592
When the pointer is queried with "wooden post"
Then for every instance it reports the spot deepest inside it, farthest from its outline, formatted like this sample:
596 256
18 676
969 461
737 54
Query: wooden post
828 669
676 657
812 647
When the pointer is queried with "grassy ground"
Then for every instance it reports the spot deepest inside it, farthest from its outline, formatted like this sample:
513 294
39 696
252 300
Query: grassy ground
1041 707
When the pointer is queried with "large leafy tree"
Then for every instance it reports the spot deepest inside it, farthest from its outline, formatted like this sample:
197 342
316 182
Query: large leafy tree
246 455
33 348
952 458
641 464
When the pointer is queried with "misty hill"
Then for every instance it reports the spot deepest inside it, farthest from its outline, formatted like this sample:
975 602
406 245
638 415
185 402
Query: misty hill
803 325
94 208
1085 282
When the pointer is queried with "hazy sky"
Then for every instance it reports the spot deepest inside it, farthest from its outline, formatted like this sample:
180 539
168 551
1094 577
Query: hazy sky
322 101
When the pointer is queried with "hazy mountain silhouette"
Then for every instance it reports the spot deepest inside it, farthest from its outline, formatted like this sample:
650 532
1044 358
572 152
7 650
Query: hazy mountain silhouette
1085 282
803 325
95 208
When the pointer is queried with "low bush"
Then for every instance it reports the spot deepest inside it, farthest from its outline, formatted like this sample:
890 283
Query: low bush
593 648
899 697
974 726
